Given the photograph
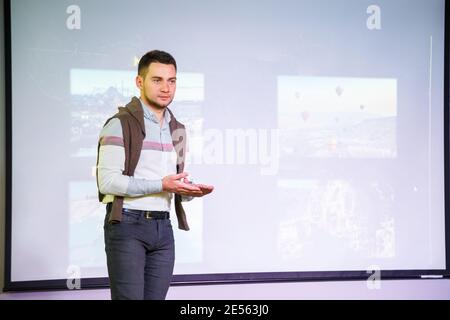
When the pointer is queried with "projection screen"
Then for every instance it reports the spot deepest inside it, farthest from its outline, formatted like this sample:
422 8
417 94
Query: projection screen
322 125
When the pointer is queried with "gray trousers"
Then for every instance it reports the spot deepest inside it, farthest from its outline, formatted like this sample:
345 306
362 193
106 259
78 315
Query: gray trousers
140 256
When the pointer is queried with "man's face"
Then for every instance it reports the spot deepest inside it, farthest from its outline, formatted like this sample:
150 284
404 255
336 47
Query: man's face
159 85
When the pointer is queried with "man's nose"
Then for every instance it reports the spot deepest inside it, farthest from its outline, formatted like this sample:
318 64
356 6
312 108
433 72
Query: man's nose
165 87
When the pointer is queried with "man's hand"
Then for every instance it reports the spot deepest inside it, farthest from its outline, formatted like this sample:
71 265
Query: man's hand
206 189
174 183
179 184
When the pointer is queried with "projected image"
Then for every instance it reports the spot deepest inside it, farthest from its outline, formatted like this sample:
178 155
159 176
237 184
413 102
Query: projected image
96 95
86 225
319 124
326 220
321 117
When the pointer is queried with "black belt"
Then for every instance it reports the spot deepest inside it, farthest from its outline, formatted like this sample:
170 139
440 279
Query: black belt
149 214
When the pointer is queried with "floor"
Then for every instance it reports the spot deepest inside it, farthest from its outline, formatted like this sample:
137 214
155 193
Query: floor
425 289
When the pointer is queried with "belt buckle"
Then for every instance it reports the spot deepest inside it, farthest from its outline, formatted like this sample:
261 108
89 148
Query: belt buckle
148 215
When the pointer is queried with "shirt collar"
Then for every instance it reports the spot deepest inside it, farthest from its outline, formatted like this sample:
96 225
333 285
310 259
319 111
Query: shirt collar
151 116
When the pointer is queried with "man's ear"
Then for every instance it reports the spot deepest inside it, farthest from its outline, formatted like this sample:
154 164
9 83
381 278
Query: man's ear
139 82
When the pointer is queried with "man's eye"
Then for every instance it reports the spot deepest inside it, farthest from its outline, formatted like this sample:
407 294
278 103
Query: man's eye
156 80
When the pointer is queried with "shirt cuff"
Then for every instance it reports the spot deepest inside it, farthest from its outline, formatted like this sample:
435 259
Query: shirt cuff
139 187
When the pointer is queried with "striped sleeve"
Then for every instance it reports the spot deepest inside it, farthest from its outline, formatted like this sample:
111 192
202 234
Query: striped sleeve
110 166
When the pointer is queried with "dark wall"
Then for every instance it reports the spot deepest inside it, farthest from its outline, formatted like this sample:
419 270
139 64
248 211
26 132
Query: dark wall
2 148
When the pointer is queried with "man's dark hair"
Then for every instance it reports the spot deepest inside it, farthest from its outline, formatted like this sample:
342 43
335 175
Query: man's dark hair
154 56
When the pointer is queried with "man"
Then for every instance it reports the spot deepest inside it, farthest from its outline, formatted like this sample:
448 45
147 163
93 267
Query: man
140 168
